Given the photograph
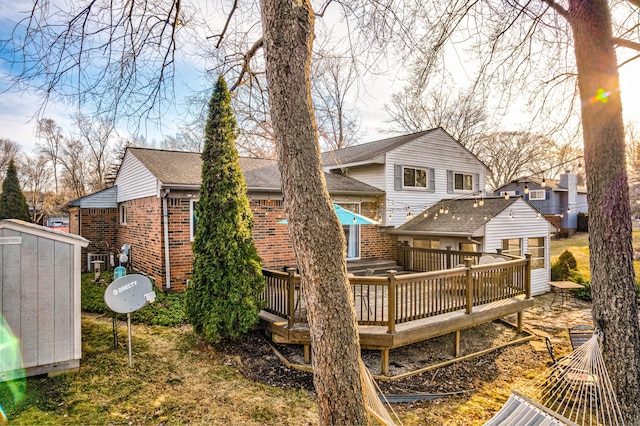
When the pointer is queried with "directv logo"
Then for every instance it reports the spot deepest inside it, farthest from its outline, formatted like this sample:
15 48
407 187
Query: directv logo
125 287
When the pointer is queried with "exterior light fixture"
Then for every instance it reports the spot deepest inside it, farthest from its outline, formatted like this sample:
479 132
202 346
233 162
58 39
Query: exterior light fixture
506 195
538 215
446 210
526 188
475 203
409 216
481 202
511 215
568 210
485 216
441 210
543 183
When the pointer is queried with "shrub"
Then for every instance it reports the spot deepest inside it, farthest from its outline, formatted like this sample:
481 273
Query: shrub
565 267
167 310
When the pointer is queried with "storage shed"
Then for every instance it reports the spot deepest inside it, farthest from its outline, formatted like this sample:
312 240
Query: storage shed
40 298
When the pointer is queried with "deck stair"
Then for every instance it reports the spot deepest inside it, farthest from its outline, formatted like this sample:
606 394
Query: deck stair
378 266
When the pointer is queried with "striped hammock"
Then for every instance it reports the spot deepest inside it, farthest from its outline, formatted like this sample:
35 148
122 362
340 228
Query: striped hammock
576 390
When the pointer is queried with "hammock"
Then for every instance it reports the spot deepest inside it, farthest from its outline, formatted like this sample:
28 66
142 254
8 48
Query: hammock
576 390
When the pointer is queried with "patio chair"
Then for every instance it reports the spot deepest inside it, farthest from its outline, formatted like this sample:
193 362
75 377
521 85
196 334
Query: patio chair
579 335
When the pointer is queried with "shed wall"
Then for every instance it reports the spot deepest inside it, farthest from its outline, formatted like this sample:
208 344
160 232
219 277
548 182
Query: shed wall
40 301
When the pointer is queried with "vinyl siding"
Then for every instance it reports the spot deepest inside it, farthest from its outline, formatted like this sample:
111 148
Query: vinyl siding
104 199
525 225
134 180
437 151
372 174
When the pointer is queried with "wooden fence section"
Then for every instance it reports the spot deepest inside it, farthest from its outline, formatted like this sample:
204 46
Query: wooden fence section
399 298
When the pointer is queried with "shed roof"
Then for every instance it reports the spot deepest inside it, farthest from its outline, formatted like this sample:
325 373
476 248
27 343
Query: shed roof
42 231
459 219
261 175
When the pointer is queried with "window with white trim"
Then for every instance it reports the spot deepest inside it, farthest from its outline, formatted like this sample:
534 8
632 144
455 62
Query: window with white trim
537 195
462 182
415 177
512 246
123 214
537 249
428 243
194 219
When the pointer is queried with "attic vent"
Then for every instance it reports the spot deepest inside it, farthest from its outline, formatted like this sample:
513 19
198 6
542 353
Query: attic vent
270 203
174 202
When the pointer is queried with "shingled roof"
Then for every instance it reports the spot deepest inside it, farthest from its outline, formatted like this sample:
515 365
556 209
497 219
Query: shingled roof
262 175
459 219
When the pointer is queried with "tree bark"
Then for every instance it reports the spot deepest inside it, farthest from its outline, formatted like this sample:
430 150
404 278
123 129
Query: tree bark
316 233
615 308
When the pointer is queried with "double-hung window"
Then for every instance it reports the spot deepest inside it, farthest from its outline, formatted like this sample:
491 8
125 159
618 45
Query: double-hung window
463 182
194 219
415 177
537 249
512 246
537 195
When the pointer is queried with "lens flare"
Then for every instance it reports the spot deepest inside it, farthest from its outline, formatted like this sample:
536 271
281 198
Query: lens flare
12 371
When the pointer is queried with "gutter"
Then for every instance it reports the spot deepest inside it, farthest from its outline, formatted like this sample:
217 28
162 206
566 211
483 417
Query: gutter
165 225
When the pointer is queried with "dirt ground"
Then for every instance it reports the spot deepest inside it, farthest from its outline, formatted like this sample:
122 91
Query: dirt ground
260 363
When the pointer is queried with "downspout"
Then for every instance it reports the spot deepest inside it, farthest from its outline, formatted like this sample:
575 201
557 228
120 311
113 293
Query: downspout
165 224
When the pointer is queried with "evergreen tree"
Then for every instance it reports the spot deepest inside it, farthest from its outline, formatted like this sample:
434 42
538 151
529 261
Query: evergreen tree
223 298
13 204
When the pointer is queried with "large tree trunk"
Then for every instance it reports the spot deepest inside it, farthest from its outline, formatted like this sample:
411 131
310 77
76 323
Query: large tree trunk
316 234
615 308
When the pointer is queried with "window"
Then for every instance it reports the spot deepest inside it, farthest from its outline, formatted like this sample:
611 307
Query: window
414 178
194 219
512 246
352 232
462 182
536 195
468 247
537 249
427 243
123 214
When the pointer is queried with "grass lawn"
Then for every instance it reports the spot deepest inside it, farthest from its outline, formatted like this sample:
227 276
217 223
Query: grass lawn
578 245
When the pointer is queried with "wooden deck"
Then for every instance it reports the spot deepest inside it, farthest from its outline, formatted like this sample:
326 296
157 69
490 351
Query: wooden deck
397 310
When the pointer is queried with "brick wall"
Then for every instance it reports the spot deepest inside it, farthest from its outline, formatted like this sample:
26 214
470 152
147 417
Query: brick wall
99 226
270 238
143 231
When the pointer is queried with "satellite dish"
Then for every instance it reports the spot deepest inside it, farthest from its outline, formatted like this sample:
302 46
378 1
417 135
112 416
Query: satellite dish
129 293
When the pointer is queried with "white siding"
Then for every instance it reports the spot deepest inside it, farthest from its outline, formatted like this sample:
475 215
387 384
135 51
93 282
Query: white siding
40 297
372 174
525 225
134 180
102 199
435 150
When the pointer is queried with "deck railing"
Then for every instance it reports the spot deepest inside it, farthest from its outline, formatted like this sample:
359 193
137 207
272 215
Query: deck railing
398 298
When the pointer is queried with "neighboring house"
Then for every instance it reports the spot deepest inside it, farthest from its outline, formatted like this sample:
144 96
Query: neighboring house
511 226
414 171
560 200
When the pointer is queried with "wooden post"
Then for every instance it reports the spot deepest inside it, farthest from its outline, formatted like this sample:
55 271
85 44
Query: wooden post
449 257
391 300
307 354
527 276
469 284
520 321
456 343
291 297
384 361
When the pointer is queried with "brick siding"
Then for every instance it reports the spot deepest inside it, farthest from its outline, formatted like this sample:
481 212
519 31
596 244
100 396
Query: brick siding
99 226
144 231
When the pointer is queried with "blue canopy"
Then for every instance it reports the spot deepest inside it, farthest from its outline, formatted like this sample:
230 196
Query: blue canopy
347 218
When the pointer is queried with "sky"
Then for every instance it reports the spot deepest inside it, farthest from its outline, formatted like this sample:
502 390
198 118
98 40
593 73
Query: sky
18 108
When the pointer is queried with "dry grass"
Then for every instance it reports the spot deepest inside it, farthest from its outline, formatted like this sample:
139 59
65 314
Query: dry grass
175 380
578 245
